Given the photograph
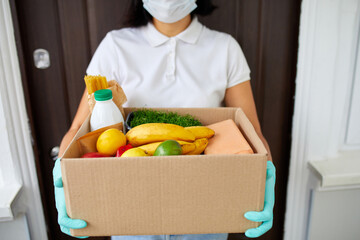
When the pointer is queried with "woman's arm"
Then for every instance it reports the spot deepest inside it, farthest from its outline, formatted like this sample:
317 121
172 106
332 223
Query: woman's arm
241 96
80 116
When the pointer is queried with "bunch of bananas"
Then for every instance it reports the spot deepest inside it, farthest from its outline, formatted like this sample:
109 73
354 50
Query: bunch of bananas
149 136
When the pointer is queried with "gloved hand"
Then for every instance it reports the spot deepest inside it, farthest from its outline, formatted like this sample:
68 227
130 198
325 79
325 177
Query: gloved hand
265 216
64 221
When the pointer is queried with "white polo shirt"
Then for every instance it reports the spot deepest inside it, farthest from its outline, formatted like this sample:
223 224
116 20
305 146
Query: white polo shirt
192 69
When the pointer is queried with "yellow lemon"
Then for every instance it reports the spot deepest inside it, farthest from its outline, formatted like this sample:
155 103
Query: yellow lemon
134 152
110 140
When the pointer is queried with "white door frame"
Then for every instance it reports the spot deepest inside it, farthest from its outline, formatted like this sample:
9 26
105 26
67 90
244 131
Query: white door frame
20 165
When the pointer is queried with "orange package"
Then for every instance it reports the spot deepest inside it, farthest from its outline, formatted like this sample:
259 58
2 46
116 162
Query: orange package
227 139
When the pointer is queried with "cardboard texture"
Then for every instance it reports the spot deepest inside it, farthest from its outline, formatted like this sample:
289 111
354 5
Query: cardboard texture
167 195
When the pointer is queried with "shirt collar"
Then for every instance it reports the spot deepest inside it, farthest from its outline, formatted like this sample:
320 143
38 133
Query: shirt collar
189 35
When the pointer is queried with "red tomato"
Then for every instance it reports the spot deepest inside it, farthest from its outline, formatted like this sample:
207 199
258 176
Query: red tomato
94 155
122 149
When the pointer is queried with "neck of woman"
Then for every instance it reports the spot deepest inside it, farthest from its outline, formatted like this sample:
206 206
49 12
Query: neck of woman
172 29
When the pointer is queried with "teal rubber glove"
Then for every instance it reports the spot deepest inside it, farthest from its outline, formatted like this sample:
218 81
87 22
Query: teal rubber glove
63 219
265 216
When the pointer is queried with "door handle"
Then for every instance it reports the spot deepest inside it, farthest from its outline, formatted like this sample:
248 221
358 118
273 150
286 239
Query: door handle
54 153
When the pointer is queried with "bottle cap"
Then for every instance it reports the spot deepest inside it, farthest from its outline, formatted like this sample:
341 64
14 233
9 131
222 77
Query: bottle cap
103 95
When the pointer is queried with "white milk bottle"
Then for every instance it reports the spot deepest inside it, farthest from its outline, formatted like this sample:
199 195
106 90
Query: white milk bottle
105 112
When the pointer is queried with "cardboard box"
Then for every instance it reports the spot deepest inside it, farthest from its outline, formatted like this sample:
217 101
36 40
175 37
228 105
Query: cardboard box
168 194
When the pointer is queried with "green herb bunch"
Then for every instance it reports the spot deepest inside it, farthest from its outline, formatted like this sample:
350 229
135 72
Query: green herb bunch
152 116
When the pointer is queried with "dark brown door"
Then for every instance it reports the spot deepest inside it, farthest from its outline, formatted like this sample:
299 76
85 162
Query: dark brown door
72 29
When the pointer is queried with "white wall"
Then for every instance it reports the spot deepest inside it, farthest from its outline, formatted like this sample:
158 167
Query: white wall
15 230
335 215
327 61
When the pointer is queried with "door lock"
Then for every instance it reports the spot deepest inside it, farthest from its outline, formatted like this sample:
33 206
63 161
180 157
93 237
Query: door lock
41 58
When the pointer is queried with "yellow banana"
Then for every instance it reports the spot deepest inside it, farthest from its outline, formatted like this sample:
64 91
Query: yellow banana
157 132
200 144
151 147
187 147
201 131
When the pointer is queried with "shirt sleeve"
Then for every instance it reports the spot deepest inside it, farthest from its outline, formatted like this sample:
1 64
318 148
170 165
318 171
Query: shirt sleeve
105 61
238 69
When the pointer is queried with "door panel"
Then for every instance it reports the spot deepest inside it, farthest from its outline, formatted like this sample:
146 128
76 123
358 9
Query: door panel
104 16
71 31
75 48
223 18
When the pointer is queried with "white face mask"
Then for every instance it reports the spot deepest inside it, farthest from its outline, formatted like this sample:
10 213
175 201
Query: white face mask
169 11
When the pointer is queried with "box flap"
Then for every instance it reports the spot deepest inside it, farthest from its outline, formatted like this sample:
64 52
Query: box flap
249 132
73 150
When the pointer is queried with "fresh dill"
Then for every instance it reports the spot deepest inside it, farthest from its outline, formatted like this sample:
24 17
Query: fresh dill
151 116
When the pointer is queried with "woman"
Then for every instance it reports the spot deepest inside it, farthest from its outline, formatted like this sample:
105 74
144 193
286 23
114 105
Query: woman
166 58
